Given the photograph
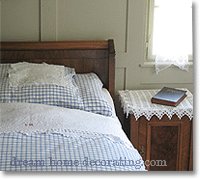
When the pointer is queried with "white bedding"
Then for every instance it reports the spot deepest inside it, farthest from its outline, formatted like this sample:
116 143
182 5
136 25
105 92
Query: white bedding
26 118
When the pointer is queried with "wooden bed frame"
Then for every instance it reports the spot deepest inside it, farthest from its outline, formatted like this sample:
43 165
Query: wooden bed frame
84 56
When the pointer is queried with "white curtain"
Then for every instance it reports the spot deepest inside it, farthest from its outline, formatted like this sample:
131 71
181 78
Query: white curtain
172 34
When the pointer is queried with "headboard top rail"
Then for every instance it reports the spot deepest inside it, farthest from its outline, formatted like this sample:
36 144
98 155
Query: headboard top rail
84 56
59 45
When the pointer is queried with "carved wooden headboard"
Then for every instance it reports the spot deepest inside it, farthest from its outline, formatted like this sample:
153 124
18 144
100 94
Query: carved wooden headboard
84 56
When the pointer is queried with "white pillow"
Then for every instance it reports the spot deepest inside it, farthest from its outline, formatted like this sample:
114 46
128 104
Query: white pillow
24 73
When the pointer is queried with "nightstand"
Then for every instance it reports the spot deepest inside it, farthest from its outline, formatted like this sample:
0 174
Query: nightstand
162 134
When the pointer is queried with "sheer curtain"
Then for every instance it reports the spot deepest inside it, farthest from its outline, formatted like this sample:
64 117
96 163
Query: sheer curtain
172 33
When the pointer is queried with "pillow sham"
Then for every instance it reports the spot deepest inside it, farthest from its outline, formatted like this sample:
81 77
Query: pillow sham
24 73
49 94
90 87
109 100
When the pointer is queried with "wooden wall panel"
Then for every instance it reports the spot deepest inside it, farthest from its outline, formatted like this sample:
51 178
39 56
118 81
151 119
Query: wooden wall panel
121 78
92 19
20 20
122 20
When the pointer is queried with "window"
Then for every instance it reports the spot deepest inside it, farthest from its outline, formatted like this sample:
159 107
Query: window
169 38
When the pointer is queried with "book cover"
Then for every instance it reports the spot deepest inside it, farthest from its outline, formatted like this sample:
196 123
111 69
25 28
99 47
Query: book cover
169 96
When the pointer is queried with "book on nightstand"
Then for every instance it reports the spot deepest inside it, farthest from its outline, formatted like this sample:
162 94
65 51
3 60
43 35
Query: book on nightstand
169 96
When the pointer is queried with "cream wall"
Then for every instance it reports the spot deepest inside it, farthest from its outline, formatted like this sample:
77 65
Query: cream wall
122 20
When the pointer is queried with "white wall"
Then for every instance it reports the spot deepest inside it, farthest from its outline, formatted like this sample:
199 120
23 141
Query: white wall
122 20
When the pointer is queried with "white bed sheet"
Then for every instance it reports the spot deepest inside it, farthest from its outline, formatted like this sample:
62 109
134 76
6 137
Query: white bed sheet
28 118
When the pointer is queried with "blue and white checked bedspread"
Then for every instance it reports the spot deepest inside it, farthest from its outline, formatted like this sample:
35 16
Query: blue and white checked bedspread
77 151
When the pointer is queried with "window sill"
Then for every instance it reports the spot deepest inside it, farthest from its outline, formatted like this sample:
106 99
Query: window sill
152 64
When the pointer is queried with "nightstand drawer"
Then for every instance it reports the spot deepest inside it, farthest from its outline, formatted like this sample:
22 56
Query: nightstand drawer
164 144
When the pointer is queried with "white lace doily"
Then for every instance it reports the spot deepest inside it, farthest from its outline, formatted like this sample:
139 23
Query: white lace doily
138 103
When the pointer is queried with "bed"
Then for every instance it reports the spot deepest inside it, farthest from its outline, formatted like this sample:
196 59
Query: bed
77 135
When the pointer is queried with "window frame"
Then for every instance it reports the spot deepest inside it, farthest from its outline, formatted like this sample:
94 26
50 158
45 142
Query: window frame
149 34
